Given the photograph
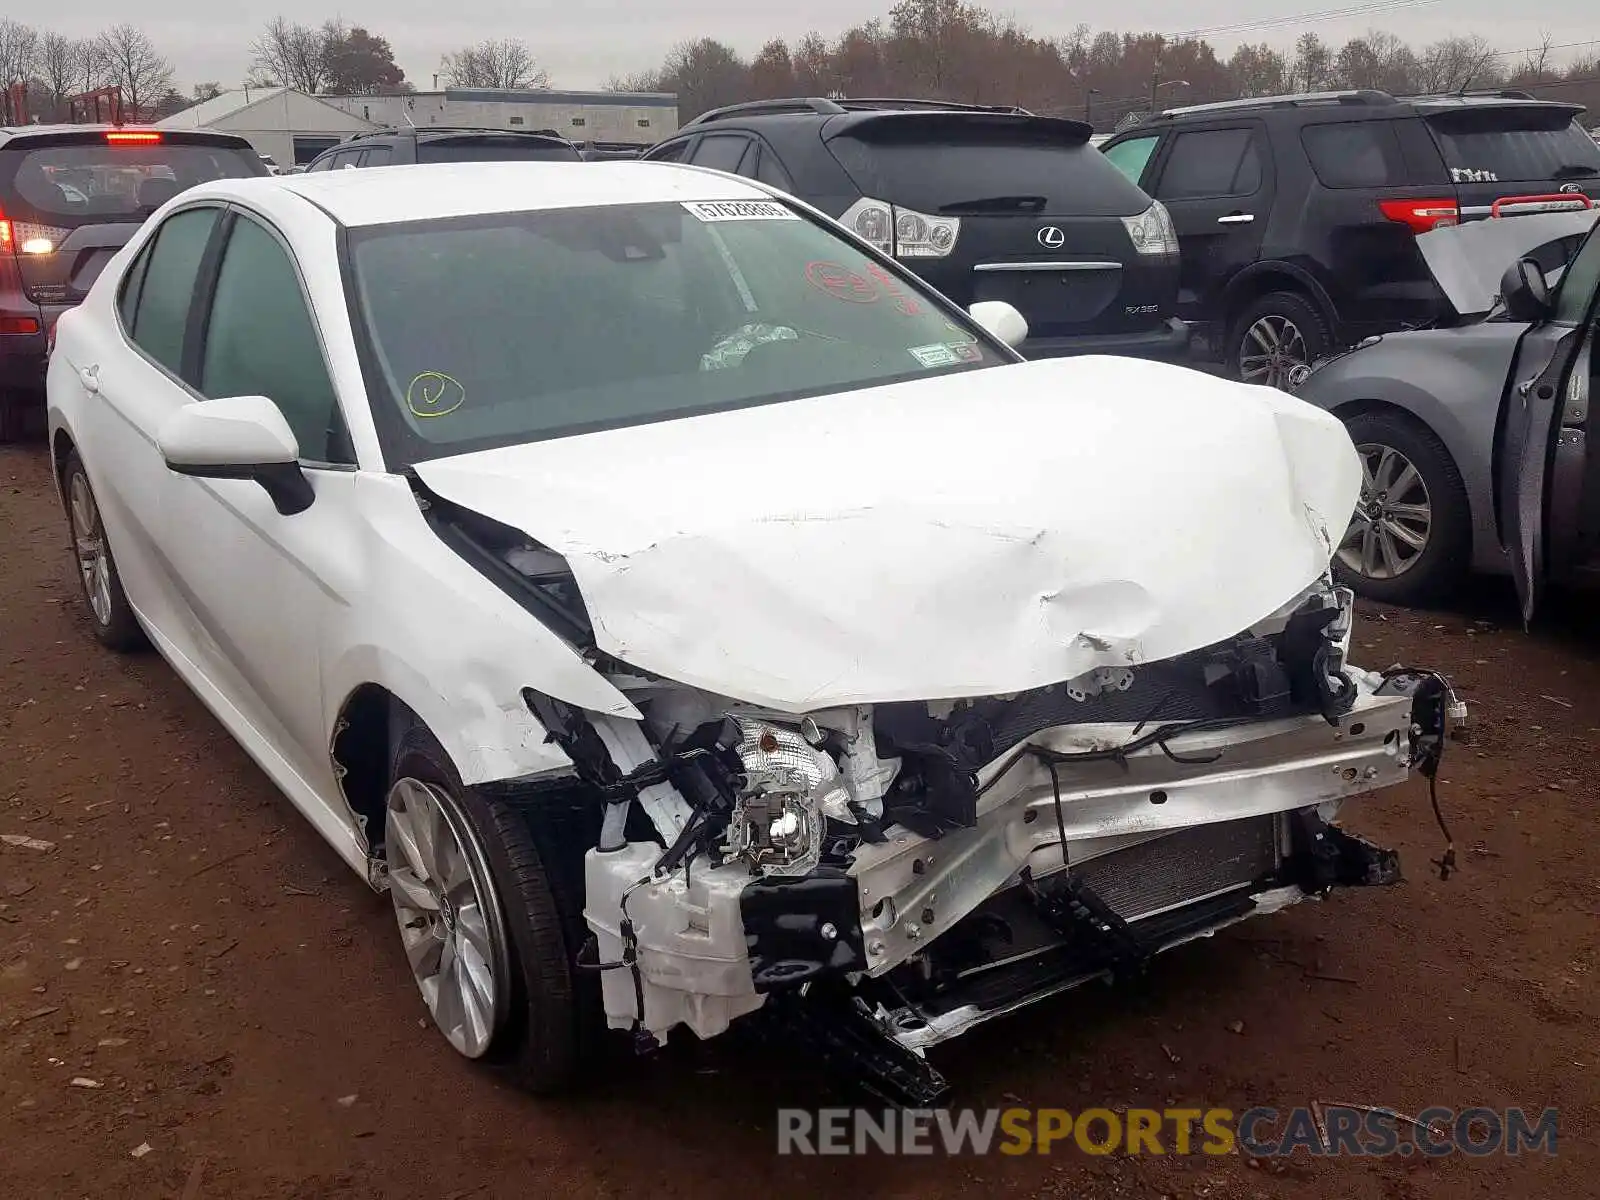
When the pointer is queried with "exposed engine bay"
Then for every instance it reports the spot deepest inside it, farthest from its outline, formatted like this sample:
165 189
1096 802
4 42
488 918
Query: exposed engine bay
890 876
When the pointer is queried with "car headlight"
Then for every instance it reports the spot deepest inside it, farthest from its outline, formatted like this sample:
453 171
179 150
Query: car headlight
777 823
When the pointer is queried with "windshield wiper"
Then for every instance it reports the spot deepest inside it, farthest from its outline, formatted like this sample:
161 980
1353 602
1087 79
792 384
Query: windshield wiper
1568 170
996 204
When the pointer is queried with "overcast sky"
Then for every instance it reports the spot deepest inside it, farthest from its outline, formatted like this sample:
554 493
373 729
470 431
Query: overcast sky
581 45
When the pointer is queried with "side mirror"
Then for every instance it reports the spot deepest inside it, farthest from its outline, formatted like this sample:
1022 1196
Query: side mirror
1000 320
238 437
1524 291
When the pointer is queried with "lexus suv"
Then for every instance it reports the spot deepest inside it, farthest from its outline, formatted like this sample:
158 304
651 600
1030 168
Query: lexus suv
983 203
70 197
1297 215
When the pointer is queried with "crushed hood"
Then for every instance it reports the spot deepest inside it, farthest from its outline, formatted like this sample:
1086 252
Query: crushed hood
972 534
1469 260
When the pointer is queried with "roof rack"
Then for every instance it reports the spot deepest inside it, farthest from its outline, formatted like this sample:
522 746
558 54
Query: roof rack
824 106
1489 93
750 108
1355 97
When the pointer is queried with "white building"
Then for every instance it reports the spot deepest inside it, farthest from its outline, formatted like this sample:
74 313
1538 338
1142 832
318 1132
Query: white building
642 118
287 124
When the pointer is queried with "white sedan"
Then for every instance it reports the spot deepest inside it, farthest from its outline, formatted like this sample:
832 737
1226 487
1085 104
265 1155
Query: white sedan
683 612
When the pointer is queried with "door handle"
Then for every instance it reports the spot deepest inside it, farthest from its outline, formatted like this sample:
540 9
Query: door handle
1236 219
90 378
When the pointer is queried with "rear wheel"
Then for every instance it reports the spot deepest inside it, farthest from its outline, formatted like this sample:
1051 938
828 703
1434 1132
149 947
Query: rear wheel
110 614
481 925
1273 336
1411 536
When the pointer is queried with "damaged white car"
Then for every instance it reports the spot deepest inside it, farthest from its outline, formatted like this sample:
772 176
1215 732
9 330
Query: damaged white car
689 618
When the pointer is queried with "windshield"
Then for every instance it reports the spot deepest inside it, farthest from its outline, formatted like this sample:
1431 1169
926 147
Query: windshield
496 330
94 183
1516 145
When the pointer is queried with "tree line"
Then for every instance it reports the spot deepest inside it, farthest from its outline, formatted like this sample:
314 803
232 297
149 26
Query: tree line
332 59
954 50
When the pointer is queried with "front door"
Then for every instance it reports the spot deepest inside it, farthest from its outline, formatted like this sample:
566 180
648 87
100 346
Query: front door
1543 458
1217 184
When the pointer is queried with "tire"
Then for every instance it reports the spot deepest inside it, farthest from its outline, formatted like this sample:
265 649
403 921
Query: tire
548 1024
1280 311
1446 553
110 615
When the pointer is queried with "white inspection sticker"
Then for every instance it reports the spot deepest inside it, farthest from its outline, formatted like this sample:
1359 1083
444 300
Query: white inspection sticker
936 355
740 210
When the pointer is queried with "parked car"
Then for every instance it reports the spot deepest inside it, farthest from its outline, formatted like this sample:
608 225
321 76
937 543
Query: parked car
1297 215
70 195
983 203
1474 437
688 612
437 144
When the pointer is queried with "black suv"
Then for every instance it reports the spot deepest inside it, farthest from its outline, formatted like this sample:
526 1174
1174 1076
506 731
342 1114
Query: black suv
70 197
984 203
1297 214
436 144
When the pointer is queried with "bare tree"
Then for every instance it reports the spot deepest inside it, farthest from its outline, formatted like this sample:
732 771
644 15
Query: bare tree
1537 62
19 56
90 64
638 81
132 63
58 67
296 55
506 63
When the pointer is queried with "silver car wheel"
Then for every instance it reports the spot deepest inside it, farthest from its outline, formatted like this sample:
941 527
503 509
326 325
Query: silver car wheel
1389 531
89 543
1272 348
449 916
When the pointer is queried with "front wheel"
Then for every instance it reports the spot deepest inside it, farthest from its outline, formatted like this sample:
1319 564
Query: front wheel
480 922
1410 538
1275 335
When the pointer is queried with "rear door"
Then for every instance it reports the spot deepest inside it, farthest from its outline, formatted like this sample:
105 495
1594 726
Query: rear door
1217 184
75 198
1542 462
989 206
1495 151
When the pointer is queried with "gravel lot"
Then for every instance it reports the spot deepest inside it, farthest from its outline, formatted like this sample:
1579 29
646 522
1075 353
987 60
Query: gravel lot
241 1003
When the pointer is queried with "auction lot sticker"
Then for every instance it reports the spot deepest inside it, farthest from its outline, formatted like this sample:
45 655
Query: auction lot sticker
740 210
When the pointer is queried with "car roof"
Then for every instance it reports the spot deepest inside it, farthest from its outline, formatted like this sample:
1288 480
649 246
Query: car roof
188 137
1352 104
432 191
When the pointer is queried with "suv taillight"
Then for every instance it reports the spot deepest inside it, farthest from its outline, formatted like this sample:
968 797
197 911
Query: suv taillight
8 236
1422 215
900 231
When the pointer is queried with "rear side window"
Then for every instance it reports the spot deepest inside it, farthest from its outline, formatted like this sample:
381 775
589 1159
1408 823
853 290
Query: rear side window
1354 154
518 149
1495 145
260 340
161 312
672 153
1211 163
377 156
984 167
94 183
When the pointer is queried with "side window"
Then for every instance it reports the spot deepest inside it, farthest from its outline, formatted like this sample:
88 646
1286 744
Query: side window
1211 163
1354 154
347 158
128 295
260 341
322 164
1579 282
1132 156
161 313
769 170
721 151
672 153
377 156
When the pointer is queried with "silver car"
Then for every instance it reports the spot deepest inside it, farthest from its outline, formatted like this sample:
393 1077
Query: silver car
1473 437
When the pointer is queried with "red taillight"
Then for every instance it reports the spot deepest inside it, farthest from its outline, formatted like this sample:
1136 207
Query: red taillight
133 137
1422 215
8 243
18 325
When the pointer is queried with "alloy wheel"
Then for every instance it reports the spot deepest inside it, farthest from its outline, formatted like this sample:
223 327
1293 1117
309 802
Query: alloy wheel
448 915
1271 350
1390 528
89 543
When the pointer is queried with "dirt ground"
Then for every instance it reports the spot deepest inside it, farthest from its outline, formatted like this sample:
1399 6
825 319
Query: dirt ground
241 1004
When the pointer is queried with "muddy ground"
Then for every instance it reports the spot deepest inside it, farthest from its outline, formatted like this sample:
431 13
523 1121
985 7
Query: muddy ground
192 948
